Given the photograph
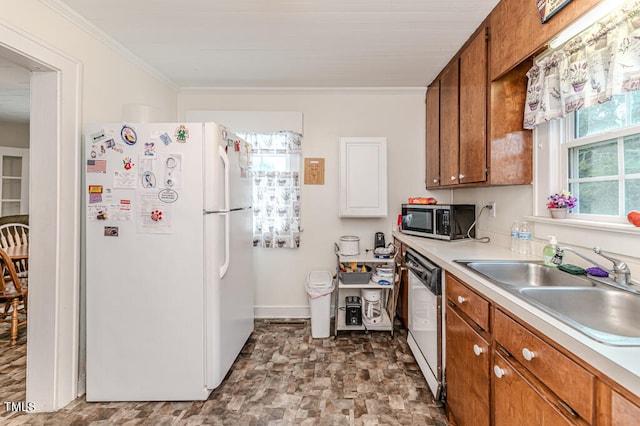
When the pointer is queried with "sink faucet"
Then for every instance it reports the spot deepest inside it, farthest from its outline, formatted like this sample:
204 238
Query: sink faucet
620 272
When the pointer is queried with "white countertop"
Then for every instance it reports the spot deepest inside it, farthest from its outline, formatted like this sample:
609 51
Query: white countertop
622 364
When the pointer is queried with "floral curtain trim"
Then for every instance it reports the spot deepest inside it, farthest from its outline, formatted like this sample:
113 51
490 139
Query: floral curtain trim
602 61
276 193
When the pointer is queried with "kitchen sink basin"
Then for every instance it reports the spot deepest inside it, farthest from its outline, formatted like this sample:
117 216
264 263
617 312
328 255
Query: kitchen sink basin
604 313
607 315
525 274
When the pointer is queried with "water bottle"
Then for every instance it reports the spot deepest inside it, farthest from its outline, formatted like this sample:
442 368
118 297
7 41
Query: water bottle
524 235
515 236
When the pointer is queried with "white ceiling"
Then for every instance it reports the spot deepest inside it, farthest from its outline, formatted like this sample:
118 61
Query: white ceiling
285 43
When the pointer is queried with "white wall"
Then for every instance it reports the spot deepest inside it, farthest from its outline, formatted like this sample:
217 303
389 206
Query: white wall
516 202
397 115
109 82
512 203
15 135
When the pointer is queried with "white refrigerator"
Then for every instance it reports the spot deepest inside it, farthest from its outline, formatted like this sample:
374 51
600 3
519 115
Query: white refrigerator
169 270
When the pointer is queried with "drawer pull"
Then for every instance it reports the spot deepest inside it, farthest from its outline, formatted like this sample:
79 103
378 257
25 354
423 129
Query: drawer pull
570 410
461 299
477 350
499 372
527 354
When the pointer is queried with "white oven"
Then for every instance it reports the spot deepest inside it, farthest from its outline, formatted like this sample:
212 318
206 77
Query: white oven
425 318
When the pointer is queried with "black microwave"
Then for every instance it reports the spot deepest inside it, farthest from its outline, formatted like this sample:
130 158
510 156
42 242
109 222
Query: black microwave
440 221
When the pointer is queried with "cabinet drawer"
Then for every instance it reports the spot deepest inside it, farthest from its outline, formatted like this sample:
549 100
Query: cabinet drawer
517 401
467 301
573 384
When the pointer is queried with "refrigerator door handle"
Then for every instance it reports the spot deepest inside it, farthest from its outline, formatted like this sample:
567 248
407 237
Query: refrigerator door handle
225 159
227 203
227 251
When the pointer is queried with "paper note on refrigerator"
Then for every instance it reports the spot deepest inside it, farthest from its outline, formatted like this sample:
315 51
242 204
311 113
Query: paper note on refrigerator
154 216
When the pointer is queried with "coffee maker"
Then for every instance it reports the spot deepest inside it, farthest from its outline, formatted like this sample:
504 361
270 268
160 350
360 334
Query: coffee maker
379 240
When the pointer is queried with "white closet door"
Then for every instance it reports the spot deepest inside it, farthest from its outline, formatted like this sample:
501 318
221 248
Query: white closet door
363 177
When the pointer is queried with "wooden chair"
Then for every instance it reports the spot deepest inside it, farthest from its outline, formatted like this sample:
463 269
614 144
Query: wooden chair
13 297
16 234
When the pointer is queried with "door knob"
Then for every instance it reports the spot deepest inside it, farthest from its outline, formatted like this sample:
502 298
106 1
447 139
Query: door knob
453 178
461 299
461 176
499 372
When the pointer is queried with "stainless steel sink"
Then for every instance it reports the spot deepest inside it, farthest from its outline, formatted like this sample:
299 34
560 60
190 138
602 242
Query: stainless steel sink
608 315
524 274
603 313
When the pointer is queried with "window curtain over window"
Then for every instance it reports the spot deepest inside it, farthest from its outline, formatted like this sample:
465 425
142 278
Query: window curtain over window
276 159
602 61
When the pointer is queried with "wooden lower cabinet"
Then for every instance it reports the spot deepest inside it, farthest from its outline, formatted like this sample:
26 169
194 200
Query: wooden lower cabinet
402 293
467 362
518 401
571 384
615 409
500 371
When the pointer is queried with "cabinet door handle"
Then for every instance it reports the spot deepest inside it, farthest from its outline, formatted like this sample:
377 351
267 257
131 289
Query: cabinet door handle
499 372
461 299
461 176
527 354
453 178
477 350
435 181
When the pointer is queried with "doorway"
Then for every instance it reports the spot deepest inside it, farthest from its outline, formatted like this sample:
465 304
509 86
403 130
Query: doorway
53 331
14 208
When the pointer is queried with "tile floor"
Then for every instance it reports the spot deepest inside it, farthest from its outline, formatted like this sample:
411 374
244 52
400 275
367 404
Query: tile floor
282 377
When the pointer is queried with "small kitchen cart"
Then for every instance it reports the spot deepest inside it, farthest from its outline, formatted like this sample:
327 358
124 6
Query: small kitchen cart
345 289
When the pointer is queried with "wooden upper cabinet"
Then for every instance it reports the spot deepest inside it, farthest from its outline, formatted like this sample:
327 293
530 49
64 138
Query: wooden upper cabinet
433 136
510 146
473 107
449 124
517 33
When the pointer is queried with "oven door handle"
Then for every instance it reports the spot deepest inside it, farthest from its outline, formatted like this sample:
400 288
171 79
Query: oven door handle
419 270
425 283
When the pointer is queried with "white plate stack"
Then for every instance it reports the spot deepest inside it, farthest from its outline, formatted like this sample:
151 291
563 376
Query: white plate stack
384 274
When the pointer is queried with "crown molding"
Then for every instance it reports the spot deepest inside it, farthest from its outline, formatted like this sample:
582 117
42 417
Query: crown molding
312 90
74 17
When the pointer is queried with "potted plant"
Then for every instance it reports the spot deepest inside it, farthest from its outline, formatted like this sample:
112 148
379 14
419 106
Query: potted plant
560 202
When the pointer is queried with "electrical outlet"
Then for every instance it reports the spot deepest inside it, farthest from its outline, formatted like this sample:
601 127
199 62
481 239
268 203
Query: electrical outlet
492 212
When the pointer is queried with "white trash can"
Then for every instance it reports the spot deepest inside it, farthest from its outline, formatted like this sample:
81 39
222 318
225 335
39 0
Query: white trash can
319 288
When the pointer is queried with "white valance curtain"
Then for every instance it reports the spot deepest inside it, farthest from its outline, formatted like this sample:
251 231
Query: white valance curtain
602 61
276 188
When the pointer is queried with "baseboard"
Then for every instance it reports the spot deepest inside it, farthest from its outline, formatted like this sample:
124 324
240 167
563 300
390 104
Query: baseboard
283 311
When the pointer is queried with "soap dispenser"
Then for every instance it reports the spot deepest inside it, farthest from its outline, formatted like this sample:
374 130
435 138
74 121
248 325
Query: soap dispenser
549 252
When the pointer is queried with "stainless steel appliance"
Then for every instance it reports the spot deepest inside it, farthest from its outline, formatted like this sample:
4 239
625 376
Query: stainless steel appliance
425 318
440 221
